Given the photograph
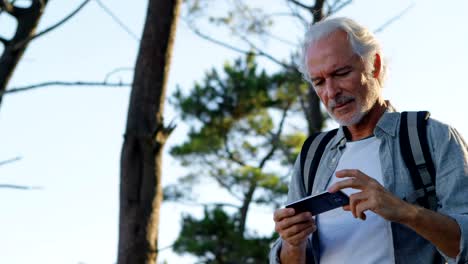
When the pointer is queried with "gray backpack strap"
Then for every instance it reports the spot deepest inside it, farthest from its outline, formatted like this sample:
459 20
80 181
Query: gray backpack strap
416 154
311 153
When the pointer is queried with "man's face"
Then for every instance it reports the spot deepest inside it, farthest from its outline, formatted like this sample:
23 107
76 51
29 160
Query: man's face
340 79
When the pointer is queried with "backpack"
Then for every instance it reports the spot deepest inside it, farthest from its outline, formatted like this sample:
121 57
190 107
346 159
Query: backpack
414 150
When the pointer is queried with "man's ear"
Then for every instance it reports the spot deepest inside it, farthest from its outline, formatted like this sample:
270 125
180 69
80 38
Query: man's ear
377 66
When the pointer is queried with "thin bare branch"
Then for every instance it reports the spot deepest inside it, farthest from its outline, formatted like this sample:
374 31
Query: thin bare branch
117 20
10 160
301 4
231 156
62 83
189 203
6 6
108 75
21 44
4 41
284 41
258 52
393 19
338 5
295 12
19 187
164 248
275 139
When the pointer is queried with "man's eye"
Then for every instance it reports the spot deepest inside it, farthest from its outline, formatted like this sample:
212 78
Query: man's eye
342 73
318 83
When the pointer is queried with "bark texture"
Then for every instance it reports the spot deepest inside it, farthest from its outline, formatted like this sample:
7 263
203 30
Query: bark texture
145 136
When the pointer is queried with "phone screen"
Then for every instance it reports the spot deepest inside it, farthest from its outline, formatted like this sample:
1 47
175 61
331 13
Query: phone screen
320 203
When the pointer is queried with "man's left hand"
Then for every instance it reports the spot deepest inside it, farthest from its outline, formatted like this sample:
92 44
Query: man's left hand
373 197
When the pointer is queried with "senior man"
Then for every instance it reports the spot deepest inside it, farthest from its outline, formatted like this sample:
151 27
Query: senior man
343 61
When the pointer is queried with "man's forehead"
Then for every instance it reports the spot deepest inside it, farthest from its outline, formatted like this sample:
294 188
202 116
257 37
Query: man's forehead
329 53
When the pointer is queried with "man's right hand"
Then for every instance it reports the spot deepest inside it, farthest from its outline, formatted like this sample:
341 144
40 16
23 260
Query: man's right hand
293 229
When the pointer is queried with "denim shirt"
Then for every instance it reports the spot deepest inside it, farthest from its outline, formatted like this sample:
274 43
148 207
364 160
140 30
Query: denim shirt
450 156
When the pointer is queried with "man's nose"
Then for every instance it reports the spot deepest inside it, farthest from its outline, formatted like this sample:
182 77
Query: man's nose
332 87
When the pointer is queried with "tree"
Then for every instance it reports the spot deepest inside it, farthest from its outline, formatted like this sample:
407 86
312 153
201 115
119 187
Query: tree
249 23
145 136
237 137
27 19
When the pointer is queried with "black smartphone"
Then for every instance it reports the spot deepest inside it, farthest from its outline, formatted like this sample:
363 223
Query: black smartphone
320 203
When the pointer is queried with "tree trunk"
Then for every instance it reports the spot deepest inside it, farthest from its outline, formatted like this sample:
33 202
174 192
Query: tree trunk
145 136
27 21
315 118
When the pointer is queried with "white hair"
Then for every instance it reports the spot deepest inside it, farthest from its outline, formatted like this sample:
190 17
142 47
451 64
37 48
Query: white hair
362 42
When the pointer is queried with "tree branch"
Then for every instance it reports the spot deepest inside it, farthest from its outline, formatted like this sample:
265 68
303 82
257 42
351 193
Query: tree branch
8 7
260 52
20 187
335 7
206 204
275 138
393 19
108 75
301 4
10 160
62 83
296 13
117 20
228 46
22 43
4 41
231 156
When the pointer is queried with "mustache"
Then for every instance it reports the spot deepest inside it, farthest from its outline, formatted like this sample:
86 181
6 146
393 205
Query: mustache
339 100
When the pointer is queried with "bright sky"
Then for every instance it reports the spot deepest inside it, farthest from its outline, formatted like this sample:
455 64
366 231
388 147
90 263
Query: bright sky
70 138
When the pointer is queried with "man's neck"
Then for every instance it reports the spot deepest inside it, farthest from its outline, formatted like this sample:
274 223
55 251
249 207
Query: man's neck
366 126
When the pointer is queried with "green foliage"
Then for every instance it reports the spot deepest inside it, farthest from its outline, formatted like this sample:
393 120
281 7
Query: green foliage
239 137
216 239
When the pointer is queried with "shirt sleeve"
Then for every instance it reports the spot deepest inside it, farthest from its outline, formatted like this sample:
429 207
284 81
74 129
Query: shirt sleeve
450 155
295 192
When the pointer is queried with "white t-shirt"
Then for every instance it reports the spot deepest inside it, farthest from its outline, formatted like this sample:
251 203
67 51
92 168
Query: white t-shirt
345 239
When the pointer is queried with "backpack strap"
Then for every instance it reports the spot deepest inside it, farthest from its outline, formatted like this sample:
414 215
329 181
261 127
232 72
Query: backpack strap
416 154
311 153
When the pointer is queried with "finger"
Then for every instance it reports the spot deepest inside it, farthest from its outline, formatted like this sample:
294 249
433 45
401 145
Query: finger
351 173
286 223
298 238
348 183
361 208
282 213
354 200
292 231
347 208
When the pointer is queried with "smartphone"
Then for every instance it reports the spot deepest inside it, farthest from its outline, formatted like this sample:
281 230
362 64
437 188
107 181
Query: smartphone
320 203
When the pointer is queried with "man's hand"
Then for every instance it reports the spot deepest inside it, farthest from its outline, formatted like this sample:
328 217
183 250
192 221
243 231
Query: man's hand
439 229
373 197
294 229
